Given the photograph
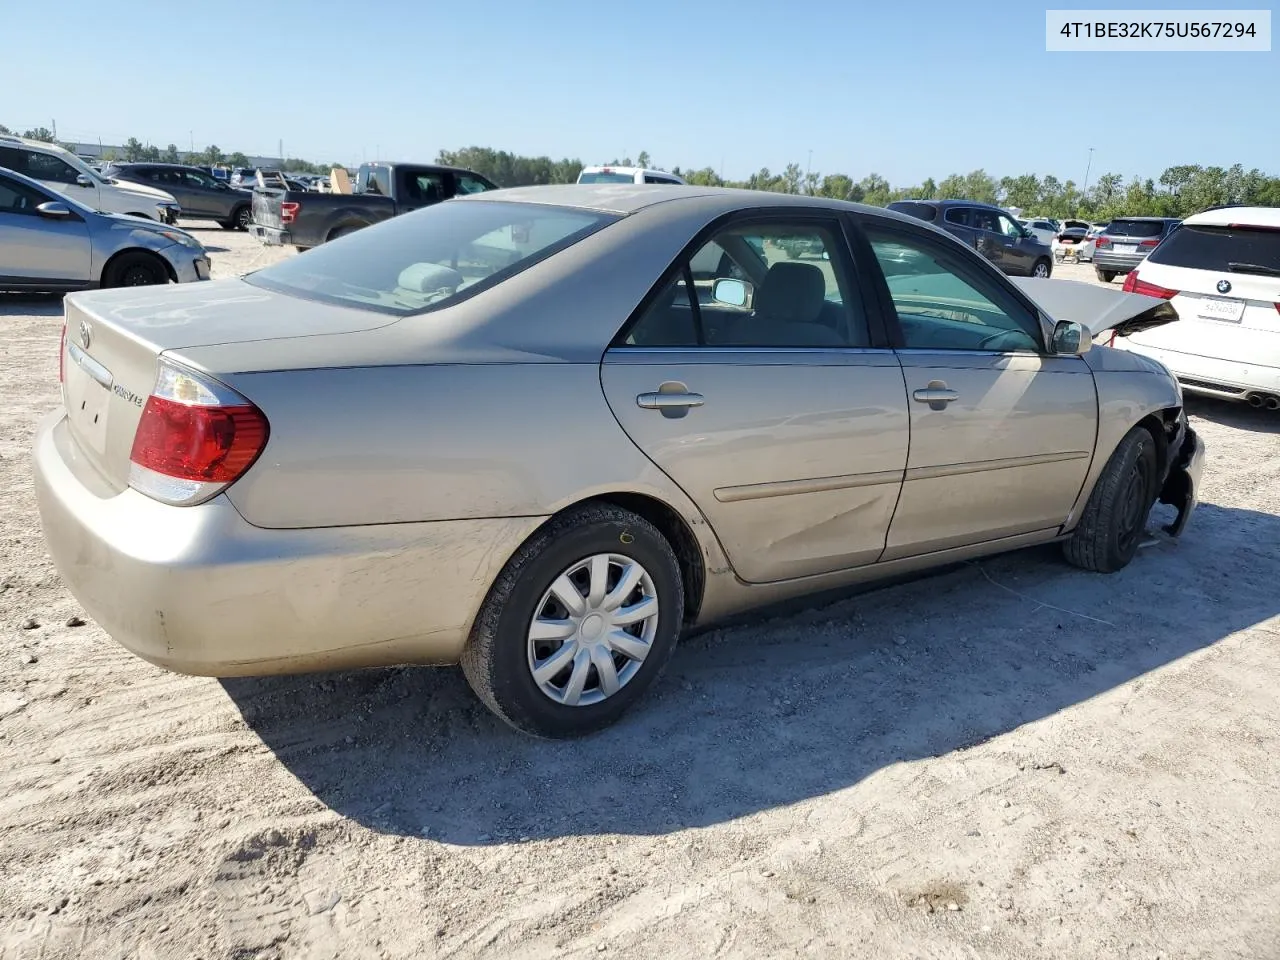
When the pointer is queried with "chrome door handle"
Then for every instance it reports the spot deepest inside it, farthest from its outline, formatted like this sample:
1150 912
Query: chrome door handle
937 395
669 401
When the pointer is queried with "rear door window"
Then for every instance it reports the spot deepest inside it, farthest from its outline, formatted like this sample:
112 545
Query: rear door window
1136 228
1238 249
958 215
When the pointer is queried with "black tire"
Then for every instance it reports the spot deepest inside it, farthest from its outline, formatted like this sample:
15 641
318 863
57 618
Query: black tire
1115 518
1046 264
135 269
1106 276
496 659
142 215
227 224
301 249
241 217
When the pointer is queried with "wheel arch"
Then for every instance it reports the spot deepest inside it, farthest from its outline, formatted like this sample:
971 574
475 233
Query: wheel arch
130 251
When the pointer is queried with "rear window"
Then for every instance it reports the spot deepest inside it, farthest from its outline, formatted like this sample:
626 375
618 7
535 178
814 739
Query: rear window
1222 249
432 257
1136 228
606 178
921 211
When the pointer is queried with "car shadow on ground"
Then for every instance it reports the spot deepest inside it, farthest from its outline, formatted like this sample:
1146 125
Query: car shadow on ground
30 304
1239 415
784 710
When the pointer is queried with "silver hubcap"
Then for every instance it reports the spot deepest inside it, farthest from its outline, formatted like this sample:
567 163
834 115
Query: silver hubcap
1041 270
592 629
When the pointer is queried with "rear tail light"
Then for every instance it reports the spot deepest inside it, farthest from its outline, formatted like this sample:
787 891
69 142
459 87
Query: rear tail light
1149 243
1132 284
62 355
289 211
1103 242
196 436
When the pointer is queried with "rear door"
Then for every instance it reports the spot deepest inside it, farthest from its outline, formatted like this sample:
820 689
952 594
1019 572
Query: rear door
778 410
421 187
1228 300
1002 433
34 247
958 222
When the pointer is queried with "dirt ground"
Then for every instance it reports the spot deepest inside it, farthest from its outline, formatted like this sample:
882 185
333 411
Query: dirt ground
1011 759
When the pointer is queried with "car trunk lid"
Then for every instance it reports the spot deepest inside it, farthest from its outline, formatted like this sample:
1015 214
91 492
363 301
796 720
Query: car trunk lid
114 337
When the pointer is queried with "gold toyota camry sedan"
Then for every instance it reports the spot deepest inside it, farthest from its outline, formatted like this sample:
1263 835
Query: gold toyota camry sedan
541 432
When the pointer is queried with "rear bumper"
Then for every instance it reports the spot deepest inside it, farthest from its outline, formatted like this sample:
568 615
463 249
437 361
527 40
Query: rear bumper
199 590
274 236
1117 262
1210 376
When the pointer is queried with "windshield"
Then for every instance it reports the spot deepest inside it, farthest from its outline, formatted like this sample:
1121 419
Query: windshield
1249 249
602 177
432 257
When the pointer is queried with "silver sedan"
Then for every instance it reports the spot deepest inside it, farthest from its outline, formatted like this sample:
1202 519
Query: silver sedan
51 243
542 432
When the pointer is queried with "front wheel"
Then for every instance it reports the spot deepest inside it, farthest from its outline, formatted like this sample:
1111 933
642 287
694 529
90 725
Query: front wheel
1041 268
1115 518
136 269
578 625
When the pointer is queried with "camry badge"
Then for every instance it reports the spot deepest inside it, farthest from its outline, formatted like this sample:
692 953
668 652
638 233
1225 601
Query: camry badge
86 334
1224 286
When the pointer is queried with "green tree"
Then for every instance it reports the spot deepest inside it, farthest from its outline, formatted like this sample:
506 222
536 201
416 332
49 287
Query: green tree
1023 192
40 133
836 186
133 150
171 154
4 130
644 160
237 159
875 190
210 155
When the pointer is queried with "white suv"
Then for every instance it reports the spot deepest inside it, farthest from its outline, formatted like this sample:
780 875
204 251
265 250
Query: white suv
626 175
1221 272
62 171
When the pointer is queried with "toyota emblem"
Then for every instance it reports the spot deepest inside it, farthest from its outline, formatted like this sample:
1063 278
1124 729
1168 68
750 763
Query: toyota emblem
86 334
1224 286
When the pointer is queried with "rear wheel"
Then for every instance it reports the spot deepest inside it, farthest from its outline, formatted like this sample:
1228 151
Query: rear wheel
1106 276
135 269
242 217
301 249
579 624
343 232
1115 518
1041 268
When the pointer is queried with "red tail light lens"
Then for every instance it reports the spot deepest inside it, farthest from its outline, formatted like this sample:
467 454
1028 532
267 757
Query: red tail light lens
62 356
1132 284
1103 242
289 211
1149 243
194 438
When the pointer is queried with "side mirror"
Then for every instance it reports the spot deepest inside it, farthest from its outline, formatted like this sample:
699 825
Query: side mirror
54 210
83 181
1070 339
733 293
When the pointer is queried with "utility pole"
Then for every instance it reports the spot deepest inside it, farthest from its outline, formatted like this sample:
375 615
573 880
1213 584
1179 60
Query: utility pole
55 131
192 135
1087 168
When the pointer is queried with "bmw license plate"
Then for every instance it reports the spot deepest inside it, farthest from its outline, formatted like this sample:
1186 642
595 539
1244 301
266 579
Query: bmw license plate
1225 311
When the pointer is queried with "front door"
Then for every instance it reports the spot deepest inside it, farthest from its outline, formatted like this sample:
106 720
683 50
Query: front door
35 247
1002 433
760 391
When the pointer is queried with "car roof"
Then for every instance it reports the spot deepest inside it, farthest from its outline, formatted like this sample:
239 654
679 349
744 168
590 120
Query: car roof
422 166
1152 219
37 144
1227 216
615 168
629 198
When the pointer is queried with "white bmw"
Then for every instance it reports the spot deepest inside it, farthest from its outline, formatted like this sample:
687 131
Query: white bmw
1221 271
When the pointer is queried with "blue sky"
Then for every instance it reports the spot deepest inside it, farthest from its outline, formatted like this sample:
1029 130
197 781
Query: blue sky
904 89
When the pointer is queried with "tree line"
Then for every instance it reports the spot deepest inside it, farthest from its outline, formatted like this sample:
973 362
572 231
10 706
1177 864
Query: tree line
134 150
1178 192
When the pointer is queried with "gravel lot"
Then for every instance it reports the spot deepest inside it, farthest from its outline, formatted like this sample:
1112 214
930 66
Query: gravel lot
1007 760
